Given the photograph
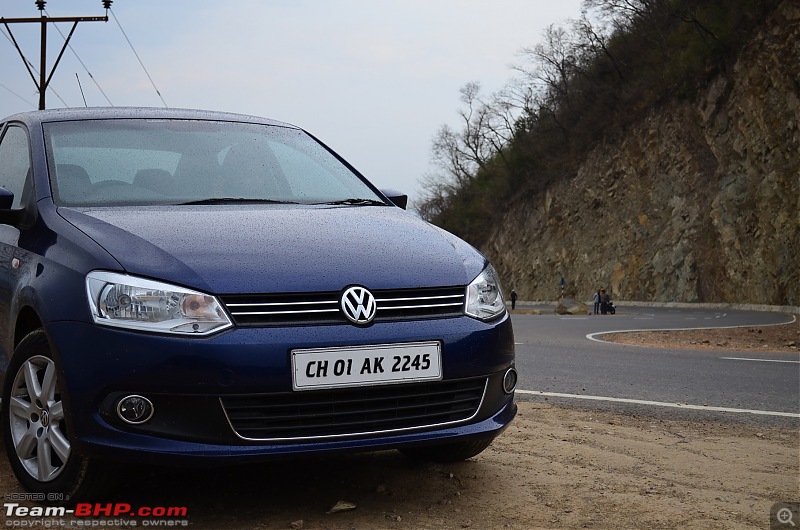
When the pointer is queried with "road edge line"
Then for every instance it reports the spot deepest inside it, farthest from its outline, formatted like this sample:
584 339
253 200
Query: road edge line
593 336
658 403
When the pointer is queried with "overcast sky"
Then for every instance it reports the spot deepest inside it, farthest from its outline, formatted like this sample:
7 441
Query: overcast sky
374 79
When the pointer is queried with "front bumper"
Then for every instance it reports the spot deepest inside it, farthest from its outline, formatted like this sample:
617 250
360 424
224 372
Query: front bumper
156 450
192 383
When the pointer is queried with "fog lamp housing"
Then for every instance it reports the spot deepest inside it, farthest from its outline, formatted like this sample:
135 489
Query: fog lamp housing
510 381
135 410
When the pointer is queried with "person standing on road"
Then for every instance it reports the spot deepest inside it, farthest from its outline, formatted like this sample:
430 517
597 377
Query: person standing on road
513 299
596 308
604 299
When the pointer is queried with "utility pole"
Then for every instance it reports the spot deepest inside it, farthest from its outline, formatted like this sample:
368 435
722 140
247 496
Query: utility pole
44 79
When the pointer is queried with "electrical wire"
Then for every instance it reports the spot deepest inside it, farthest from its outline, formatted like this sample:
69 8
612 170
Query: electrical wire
82 64
35 70
138 58
86 68
20 97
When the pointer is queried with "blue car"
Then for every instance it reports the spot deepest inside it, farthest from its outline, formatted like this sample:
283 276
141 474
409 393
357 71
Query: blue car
191 287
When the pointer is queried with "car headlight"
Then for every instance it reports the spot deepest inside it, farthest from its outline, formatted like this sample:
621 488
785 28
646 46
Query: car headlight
484 296
137 303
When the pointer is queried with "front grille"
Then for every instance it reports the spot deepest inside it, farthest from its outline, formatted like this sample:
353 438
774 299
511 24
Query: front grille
323 308
353 411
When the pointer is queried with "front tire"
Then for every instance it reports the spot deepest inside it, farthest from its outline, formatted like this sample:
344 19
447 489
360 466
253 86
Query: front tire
35 429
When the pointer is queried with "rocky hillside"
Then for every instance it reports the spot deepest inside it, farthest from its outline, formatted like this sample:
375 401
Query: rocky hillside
698 202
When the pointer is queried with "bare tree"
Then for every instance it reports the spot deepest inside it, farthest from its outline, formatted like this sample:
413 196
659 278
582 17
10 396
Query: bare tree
436 196
593 38
625 15
486 127
553 64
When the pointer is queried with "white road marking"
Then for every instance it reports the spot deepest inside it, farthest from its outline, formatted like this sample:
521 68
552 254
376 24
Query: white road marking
759 360
593 336
658 403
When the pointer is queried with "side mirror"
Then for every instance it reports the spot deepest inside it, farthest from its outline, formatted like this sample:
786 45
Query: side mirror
6 199
398 198
7 215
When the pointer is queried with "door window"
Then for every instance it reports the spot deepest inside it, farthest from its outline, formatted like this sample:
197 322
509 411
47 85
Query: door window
15 162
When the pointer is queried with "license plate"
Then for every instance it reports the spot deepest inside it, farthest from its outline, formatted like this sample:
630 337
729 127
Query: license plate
314 368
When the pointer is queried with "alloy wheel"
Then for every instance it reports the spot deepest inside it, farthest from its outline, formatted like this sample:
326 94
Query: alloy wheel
36 418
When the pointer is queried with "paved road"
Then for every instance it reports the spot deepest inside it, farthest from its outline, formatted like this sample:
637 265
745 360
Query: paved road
555 356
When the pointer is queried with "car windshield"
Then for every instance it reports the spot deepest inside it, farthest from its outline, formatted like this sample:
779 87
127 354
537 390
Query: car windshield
150 162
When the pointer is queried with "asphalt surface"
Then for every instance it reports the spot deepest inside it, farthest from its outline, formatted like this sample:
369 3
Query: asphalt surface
555 356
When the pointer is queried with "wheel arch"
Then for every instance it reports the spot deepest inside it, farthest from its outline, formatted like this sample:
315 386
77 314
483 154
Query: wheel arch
28 320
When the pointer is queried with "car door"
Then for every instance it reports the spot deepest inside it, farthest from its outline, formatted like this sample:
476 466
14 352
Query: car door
15 176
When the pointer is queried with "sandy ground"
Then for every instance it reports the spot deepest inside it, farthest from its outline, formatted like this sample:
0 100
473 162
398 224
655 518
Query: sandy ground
553 468
784 338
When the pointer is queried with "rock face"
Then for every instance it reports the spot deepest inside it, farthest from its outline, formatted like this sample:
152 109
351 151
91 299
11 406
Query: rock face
697 203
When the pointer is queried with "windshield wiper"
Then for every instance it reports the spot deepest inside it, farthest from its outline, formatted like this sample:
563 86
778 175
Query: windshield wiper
232 200
357 202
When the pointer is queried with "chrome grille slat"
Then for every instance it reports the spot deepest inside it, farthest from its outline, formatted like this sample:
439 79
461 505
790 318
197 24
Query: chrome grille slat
460 304
282 304
282 309
418 298
298 312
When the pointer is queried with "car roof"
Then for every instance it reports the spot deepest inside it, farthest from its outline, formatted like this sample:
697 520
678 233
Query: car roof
109 113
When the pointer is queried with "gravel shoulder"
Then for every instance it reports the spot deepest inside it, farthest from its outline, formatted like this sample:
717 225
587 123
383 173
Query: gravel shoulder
780 338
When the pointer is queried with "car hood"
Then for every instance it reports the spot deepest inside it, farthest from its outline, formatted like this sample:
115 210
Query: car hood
279 248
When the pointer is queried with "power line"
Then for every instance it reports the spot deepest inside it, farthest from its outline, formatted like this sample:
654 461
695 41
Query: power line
138 58
43 83
82 64
20 97
30 64
44 80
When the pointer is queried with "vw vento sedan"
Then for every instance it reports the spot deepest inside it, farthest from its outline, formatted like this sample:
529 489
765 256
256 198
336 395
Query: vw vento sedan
206 288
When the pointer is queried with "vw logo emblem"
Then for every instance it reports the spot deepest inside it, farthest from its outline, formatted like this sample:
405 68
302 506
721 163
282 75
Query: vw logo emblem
358 305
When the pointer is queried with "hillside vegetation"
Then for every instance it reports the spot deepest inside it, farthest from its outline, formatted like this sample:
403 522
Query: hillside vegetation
651 147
